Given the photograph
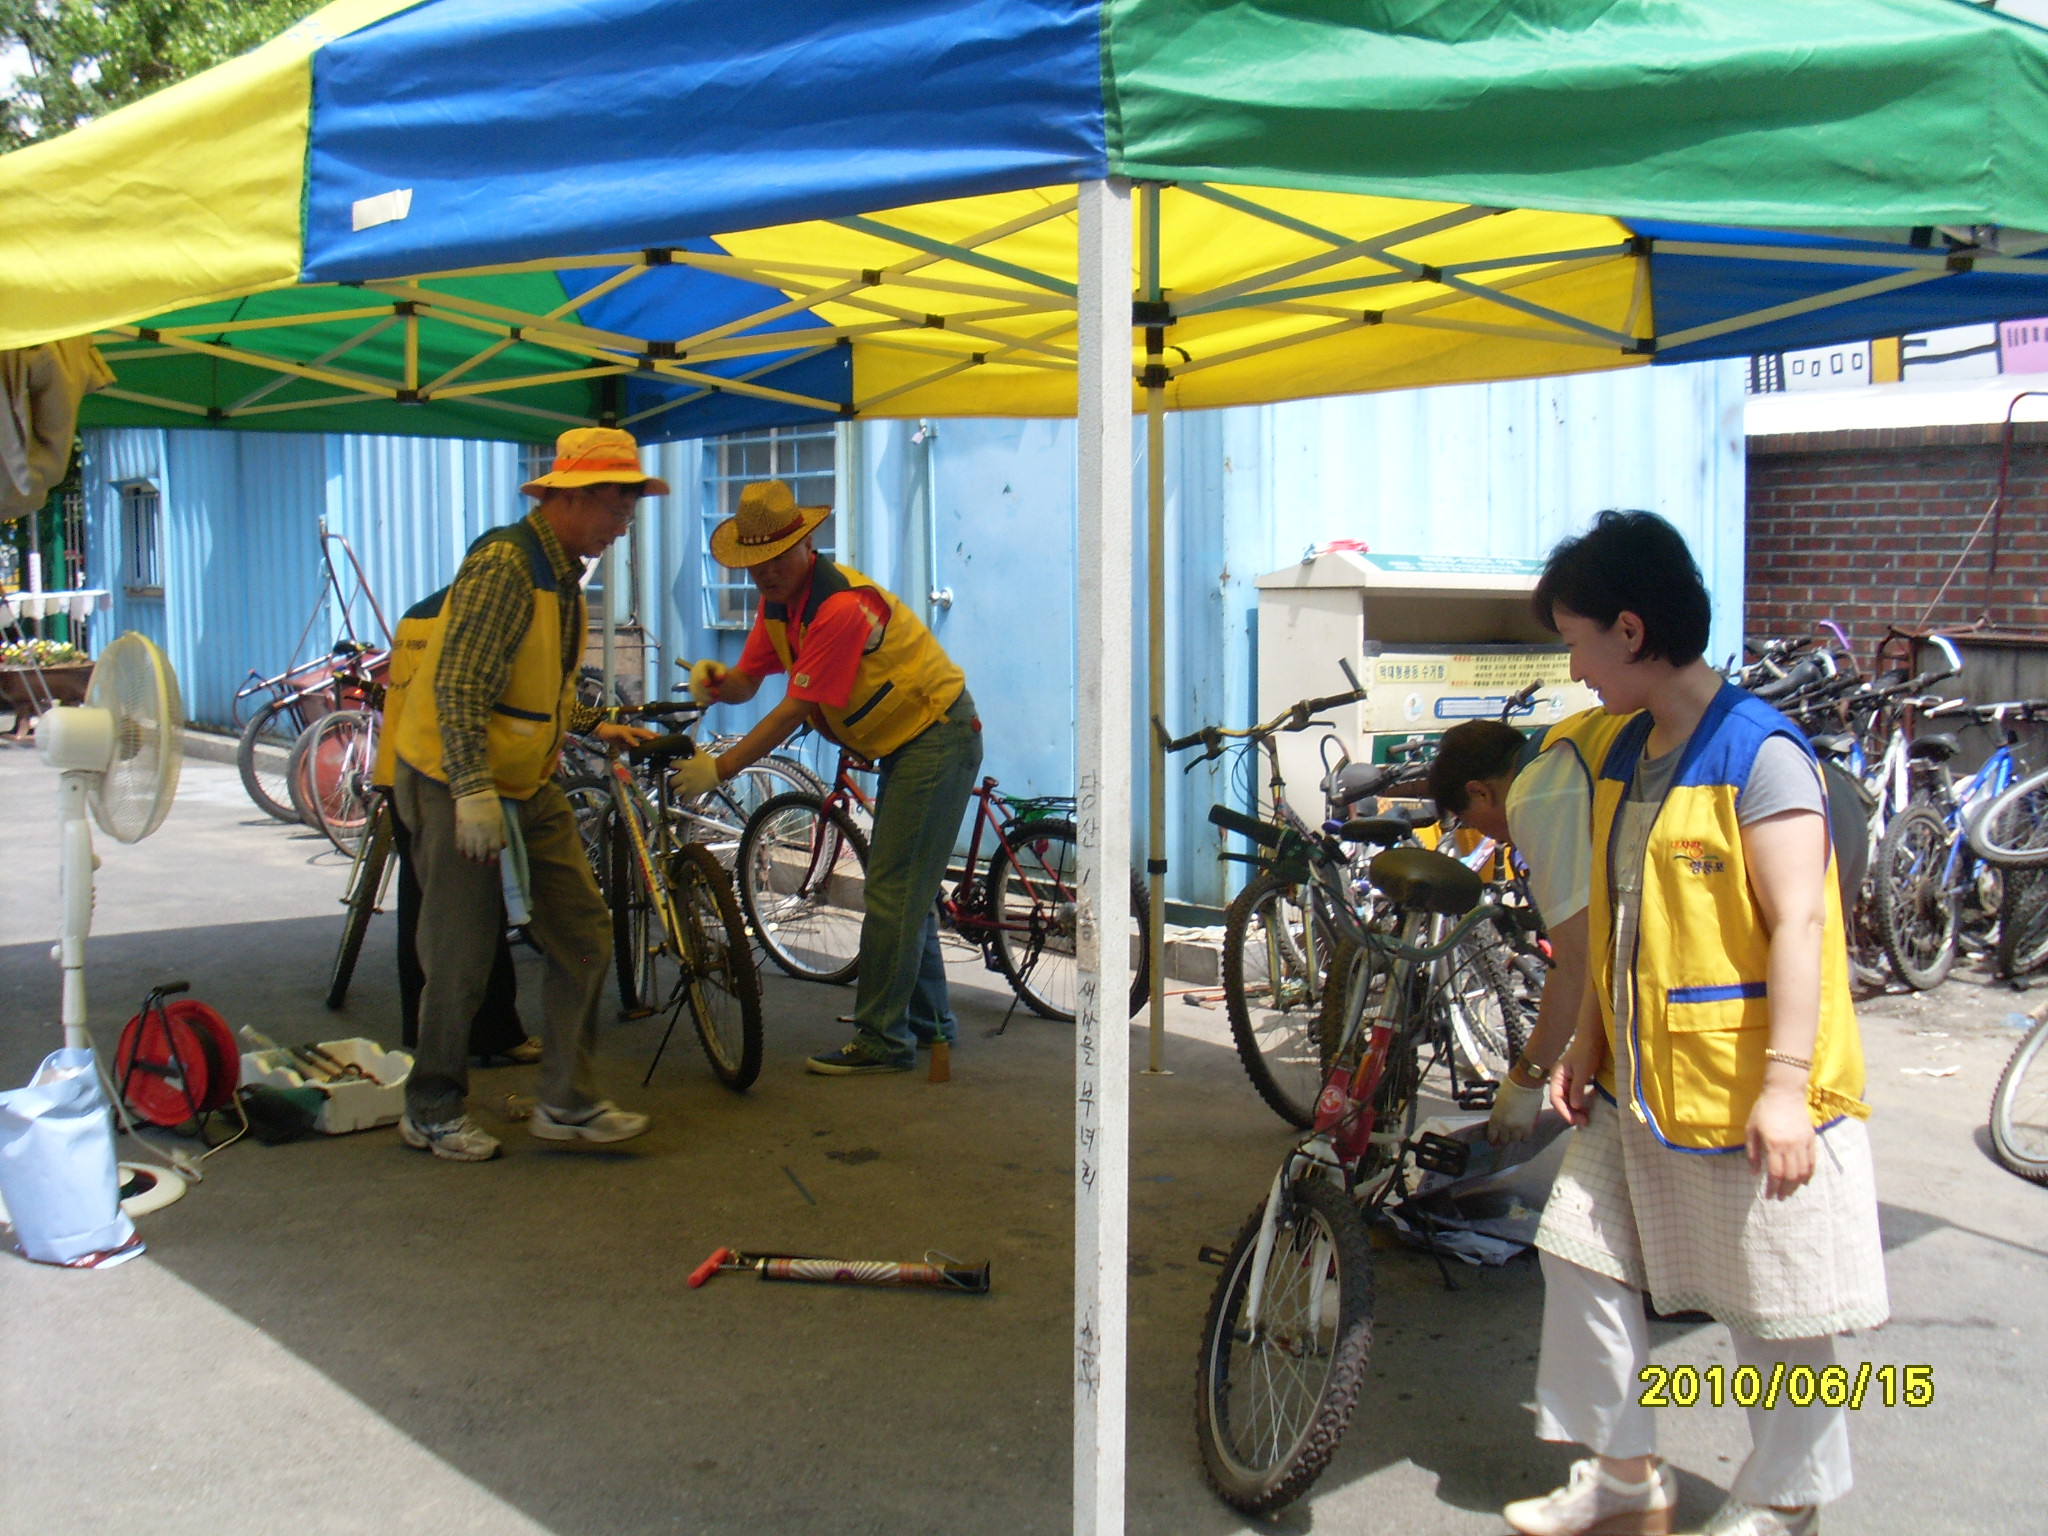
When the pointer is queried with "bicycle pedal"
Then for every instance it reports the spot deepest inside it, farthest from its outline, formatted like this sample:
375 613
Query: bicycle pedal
1440 1154
1210 1254
1475 1096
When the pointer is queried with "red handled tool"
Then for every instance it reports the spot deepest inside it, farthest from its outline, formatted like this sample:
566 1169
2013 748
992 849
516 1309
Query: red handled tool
807 1269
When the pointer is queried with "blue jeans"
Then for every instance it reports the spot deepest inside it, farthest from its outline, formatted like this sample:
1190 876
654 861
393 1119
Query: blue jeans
926 783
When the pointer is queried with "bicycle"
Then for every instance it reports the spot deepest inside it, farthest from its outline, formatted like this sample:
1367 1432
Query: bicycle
677 933
1934 893
2019 1108
351 677
1288 1333
802 872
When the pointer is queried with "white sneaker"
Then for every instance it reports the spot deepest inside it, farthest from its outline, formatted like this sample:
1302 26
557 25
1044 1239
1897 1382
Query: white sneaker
600 1122
460 1141
1594 1504
1736 1518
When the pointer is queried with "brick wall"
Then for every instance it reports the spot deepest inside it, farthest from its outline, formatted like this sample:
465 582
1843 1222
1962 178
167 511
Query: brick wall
1864 527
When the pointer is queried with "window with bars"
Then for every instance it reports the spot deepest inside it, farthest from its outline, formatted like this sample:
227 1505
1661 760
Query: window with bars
142 535
72 510
804 458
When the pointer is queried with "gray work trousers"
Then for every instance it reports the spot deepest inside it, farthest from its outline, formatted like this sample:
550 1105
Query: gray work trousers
462 916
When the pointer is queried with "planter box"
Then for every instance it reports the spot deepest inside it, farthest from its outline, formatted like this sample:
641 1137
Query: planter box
21 692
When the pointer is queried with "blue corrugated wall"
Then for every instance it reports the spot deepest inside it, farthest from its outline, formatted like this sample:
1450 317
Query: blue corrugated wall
1503 469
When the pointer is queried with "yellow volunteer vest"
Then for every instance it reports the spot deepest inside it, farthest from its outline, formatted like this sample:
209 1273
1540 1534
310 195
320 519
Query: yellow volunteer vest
1693 1064
527 721
906 682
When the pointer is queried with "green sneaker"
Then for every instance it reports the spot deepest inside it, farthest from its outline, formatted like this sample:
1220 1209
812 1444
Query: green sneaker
853 1060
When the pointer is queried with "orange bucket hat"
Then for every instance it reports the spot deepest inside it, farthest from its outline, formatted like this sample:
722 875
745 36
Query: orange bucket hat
596 456
766 522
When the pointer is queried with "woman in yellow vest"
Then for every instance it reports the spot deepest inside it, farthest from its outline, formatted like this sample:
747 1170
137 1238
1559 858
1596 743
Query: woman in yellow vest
1716 1075
867 672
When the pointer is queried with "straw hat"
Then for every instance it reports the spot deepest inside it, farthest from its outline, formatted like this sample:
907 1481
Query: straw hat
767 522
596 456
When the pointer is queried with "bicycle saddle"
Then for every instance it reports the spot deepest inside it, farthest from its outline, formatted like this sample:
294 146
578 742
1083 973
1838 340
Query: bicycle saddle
1935 747
1839 744
1357 781
1380 831
1424 880
663 748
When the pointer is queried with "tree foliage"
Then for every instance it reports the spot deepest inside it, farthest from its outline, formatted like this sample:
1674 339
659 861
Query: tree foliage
75 59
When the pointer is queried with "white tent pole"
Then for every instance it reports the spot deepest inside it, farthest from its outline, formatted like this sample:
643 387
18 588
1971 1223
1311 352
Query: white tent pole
1154 937
1102 1036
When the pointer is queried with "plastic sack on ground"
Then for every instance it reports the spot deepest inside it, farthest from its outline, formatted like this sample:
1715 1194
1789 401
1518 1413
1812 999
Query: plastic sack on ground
57 1171
1489 1213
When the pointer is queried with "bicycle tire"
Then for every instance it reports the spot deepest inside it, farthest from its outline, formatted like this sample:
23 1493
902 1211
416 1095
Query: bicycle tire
632 909
1022 944
2019 1109
366 880
723 963
1276 1022
2011 829
1265 1484
2023 922
1490 1019
263 742
1917 913
802 878
329 779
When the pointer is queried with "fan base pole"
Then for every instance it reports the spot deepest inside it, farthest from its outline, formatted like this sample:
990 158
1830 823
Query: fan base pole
75 880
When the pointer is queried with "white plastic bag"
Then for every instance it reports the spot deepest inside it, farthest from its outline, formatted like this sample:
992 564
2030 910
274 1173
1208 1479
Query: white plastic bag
57 1170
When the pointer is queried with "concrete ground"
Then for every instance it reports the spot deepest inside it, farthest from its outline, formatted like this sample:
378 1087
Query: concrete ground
344 1336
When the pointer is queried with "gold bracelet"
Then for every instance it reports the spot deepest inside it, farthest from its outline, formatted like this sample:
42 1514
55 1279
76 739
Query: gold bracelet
1783 1059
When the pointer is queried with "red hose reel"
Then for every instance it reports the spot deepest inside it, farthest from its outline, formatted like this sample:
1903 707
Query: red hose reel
176 1062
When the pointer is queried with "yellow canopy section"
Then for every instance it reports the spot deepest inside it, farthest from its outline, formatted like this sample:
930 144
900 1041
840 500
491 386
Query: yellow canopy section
217 213
1273 294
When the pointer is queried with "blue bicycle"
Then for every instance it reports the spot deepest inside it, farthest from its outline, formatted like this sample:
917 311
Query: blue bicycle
1932 894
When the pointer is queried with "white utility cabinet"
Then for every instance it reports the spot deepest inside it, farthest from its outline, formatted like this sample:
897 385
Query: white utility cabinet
1435 639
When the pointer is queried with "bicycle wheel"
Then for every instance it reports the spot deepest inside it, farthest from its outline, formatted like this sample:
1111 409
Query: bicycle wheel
1492 1002
2019 1109
802 877
365 887
329 775
1915 906
1275 961
1272 1402
590 802
1031 895
262 756
2023 922
2012 830
724 988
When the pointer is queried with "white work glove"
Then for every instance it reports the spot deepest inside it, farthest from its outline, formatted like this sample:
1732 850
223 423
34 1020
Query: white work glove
1515 1109
479 825
694 776
705 679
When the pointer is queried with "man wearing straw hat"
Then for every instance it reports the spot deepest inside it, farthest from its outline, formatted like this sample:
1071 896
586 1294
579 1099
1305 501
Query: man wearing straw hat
484 688
867 672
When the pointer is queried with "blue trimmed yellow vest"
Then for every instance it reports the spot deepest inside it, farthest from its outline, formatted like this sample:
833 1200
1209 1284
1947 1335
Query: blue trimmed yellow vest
527 721
1693 1064
906 681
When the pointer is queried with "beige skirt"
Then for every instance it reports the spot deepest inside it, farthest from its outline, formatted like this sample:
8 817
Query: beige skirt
1695 1231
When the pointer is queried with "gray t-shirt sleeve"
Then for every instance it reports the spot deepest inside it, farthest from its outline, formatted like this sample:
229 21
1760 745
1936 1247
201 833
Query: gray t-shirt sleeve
1782 778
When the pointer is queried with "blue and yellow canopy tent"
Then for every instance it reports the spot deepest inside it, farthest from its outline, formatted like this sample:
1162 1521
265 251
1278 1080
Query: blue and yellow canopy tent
495 218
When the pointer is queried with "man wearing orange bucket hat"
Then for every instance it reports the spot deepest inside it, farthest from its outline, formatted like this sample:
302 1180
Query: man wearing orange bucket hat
483 689
864 669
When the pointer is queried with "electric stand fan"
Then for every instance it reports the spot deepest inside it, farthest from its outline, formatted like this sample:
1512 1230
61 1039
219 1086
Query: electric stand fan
119 754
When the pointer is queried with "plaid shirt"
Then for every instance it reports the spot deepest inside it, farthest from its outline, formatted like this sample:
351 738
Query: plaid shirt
490 605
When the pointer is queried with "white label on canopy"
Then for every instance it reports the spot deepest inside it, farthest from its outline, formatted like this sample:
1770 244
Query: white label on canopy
384 208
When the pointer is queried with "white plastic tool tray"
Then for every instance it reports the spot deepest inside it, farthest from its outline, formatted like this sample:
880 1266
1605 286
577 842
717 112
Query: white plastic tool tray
352 1104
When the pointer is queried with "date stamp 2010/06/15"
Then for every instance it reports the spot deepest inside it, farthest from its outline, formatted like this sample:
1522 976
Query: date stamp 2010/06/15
1800 1386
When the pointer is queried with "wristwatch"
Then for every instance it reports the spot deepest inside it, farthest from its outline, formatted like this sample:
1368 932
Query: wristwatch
1522 1062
